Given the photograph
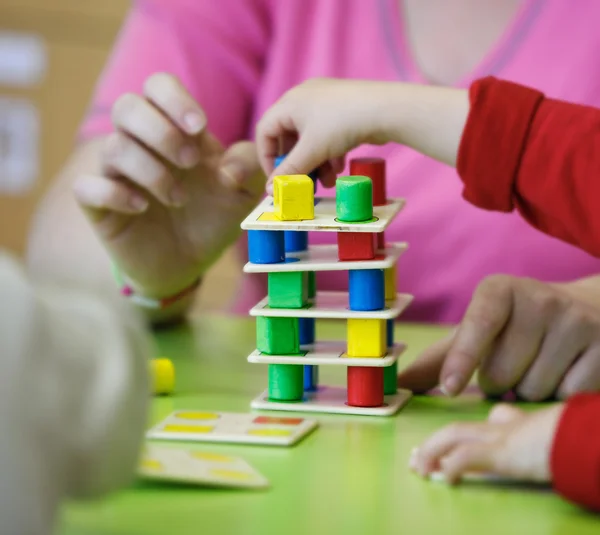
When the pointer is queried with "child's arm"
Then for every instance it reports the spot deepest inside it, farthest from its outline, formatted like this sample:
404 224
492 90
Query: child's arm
513 147
73 398
560 444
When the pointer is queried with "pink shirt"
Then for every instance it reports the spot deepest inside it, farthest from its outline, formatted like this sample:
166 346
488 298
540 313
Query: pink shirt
238 56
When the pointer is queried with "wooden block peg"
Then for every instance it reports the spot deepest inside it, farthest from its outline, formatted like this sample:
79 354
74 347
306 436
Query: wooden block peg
294 197
311 378
365 386
277 336
312 284
390 379
374 168
288 289
366 289
367 338
266 246
286 382
355 246
354 199
390 283
295 241
390 333
307 331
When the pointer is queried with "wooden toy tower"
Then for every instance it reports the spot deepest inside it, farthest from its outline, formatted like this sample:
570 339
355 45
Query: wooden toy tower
285 320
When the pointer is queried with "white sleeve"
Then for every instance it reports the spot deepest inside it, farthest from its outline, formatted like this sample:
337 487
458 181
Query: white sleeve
73 398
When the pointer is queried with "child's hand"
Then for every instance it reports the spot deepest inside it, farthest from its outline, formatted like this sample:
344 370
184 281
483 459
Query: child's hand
512 444
322 120
167 199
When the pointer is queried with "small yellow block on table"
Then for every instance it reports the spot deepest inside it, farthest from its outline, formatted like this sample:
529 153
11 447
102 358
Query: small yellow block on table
366 338
162 373
294 197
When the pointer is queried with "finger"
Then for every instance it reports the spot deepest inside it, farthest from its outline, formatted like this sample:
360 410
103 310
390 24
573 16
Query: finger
141 120
584 375
428 456
287 142
239 169
566 340
338 164
424 374
277 126
123 156
169 95
478 457
98 194
517 347
485 318
504 414
273 134
327 176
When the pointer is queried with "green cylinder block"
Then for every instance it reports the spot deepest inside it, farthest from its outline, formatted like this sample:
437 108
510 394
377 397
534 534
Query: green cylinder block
354 198
286 382
390 379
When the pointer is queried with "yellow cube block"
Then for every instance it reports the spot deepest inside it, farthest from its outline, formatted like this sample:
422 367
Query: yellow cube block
390 283
366 338
294 197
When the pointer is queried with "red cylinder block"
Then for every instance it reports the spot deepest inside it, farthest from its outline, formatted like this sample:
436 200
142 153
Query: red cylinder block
374 168
365 386
381 240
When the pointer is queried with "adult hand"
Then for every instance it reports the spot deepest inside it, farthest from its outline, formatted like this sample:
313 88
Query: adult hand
168 199
520 335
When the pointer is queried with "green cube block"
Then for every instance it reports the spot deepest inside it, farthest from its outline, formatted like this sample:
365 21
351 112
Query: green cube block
390 379
277 336
288 289
286 382
354 198
312 284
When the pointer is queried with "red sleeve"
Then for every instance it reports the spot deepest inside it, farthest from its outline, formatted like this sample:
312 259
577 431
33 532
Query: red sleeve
575 455
538 155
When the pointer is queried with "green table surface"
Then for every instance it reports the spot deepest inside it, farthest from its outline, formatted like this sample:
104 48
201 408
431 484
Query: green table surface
350 476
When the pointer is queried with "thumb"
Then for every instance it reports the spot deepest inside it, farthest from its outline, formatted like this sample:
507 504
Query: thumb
424 374
240 170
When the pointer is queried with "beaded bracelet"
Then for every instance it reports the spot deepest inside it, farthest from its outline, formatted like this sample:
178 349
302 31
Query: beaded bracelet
146 302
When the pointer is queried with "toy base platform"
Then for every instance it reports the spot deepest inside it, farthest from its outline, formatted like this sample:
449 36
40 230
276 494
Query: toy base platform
263 218
332 400
328 353
334 305
325 258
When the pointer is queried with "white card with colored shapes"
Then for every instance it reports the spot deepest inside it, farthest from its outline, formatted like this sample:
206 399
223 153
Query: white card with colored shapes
235 428
203 468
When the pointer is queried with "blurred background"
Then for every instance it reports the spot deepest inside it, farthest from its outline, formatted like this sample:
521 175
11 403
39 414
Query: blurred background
51 53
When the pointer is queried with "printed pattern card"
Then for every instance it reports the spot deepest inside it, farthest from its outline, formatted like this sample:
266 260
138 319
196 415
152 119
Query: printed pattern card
227 427
160 463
